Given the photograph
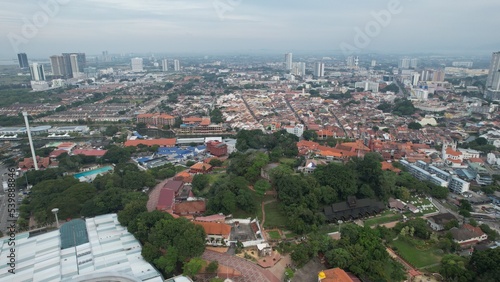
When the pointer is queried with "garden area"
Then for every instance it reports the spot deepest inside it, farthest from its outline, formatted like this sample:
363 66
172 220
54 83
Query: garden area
423 204
274 216
418 253
385 217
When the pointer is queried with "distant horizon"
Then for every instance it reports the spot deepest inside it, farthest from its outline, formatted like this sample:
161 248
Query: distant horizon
269 53
46 27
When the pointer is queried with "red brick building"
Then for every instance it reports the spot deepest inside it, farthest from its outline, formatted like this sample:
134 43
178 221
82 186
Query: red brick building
217 148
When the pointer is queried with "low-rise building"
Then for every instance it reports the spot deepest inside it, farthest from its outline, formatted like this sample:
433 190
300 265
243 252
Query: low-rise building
468 235
439 221
218 234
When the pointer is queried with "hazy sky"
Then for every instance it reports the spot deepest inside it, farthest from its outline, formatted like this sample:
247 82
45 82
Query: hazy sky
245 26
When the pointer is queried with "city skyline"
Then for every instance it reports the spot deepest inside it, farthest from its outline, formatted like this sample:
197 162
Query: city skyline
222 26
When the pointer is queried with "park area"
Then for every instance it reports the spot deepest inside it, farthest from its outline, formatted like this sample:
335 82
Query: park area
423 204
418 253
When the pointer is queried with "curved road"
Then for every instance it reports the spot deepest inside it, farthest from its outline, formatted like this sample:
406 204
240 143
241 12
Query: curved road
250 271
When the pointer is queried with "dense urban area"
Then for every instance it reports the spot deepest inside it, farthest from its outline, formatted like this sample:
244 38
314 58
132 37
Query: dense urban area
277 167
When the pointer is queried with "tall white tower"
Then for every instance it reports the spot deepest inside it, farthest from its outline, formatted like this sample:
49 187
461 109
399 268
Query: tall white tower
177 65
493 81
28 131
288 61
164 65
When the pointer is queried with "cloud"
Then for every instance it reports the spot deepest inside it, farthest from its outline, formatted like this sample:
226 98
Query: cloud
179 25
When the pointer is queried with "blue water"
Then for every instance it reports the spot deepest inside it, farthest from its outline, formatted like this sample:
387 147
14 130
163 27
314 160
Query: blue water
92 172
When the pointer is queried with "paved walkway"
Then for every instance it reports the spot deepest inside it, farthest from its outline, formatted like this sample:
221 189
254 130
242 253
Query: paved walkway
251 272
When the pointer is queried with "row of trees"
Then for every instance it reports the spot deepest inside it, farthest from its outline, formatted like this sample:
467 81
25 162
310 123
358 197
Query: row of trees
279 144
360 251
171 245
303 197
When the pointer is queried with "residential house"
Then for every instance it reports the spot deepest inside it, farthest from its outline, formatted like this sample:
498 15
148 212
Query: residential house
200 168
439 221
468 235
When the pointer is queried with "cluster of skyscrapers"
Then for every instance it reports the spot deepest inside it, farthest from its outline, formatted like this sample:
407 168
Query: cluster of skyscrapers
137 65
299 68
68 65
407 63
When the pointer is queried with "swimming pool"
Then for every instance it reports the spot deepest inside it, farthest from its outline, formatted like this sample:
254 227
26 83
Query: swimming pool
92 172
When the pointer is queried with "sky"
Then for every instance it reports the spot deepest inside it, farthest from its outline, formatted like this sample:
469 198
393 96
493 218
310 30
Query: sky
45 27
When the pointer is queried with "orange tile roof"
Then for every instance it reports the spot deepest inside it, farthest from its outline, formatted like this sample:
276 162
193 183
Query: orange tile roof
325 133
167 142
215 228
192 119
201 166
389 166
334 275
452 152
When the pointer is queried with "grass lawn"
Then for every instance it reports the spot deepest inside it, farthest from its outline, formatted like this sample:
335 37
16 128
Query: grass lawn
416 257
274 216
385 217
256 213
328 228
275 235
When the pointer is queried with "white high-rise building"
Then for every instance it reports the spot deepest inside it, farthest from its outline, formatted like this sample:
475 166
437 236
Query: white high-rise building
177 65
137 65
288 61
73 59
37 72
415 78
352 61
493 81
374 63
164 65
414 63
319 69
465 64
299 68
404 63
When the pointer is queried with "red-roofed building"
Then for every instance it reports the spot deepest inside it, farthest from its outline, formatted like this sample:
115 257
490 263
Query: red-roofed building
162 142
166 199
189 208
200 168
90 153
217 148
218 234
56 153
334 275
42 163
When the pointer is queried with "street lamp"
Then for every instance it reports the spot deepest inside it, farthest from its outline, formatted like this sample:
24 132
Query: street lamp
54 211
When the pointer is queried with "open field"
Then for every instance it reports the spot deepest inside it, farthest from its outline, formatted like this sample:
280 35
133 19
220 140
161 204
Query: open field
274 217
417 256
385 217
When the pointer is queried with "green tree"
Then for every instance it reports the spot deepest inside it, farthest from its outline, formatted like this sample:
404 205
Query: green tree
414 125
200 182
261 186
193 267
131 211
213 266
453 269
310 135
216 162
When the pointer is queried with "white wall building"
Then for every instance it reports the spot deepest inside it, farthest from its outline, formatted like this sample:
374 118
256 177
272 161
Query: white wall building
296 130
137 64
94 249
177 65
